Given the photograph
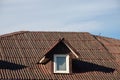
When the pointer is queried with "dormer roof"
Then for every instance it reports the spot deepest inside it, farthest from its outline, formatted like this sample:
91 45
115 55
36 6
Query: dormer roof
46 57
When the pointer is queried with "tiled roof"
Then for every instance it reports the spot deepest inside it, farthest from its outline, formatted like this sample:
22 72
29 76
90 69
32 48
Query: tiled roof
25 49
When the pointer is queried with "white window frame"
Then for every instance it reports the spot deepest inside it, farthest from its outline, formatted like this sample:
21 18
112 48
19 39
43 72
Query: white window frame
67 63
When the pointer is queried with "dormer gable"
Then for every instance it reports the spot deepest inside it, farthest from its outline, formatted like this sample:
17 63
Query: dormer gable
66 44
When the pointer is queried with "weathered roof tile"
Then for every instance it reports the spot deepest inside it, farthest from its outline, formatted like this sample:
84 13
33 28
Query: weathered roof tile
27 48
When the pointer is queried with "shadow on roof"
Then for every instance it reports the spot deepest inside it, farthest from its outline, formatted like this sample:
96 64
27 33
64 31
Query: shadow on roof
10 66
82 67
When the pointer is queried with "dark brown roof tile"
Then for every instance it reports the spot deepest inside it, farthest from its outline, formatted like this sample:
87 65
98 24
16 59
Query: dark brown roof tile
27 48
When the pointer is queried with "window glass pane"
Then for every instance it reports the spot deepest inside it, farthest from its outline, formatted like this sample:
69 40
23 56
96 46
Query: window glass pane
61 63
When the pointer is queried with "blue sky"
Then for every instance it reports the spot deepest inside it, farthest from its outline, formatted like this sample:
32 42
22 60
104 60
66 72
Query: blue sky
94 16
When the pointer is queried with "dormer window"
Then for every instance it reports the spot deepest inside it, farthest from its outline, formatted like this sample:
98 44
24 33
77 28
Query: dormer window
61 63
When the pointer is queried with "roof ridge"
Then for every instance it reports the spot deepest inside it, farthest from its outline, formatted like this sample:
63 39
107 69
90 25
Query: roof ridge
59 32
13 33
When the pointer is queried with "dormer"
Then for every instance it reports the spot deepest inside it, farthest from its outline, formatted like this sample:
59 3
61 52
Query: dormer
59 58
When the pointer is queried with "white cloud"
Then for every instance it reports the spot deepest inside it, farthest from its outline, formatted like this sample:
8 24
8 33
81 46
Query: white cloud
89 26
84 10
84 26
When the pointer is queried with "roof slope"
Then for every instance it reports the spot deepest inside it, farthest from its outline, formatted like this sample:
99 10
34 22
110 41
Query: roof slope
112 46
27 48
